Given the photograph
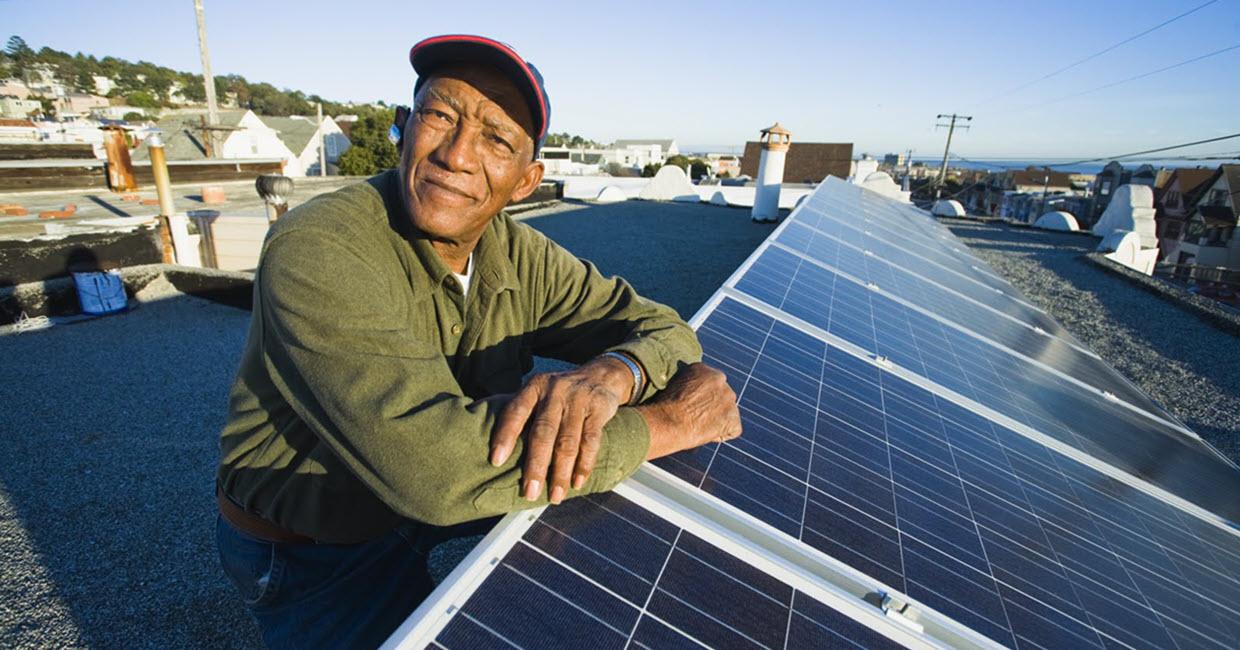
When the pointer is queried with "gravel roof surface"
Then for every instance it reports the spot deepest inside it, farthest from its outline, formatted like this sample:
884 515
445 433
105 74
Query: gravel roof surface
109 440
1183 362
106 480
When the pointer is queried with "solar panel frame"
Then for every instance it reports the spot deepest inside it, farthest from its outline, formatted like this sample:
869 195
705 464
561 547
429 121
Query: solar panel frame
727 526
817 576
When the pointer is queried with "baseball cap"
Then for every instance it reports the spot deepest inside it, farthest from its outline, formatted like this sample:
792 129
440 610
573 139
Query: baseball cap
432 53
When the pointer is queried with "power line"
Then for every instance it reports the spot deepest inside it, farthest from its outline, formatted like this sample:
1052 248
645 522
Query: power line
1142 153
1130 79
1097 54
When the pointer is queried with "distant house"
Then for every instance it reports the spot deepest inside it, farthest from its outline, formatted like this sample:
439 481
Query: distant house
1109 180
635 154
566 161
1209 239
1003 193
15 108
73 105
240 135
805 162
724 164
1175 204
661 149
18 130
301 136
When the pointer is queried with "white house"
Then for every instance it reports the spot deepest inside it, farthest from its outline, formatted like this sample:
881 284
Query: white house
301 135
639 153
15 108
563 161
239 135
18 130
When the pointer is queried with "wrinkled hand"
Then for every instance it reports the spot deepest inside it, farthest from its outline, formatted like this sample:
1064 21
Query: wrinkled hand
564 413
697 407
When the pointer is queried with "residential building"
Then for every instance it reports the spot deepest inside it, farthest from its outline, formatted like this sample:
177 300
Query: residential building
13 107
240 134
103 85
301 136
75 105
724 164
18 130
82 131
1109 180
659 150
1000 193
1210 238
1175 204
893 160
806 162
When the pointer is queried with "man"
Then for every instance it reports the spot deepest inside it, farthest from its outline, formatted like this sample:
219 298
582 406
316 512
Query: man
379 406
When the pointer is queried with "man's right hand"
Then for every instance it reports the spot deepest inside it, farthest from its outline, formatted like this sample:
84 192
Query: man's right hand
697 407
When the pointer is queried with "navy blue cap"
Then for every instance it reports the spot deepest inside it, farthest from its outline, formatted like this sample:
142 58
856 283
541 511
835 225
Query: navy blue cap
429 54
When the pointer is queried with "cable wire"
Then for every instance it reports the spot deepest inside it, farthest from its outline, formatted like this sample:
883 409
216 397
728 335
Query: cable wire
1127 80
1097 54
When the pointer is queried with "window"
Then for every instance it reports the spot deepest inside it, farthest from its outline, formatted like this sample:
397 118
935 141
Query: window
1173 199
1106 188
1218 196
1172 230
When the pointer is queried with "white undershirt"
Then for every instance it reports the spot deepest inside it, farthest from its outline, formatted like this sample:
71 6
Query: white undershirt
463 278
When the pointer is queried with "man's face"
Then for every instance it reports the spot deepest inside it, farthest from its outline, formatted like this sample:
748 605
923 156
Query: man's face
467 153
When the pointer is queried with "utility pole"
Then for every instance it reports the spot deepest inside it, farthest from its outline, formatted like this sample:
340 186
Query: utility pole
951 128
208 80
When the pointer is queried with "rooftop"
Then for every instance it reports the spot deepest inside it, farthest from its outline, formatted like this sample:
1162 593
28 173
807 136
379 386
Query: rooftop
82 522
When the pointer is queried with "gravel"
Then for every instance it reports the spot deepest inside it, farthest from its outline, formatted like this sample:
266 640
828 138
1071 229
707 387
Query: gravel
1182 361
106 474
109 443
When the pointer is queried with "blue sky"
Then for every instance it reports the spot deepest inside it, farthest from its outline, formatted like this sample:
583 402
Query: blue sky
873 73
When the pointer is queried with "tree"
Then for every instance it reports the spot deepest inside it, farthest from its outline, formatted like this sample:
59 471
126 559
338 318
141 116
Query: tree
650 170
698 168
17 49
134 116
680 161
370 150
142 99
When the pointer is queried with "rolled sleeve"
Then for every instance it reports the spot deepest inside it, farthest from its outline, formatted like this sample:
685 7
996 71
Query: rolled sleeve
584 314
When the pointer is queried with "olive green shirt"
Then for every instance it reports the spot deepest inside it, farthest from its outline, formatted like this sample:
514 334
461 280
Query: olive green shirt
366 389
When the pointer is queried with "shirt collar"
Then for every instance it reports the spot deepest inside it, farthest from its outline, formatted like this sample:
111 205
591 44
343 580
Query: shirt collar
492 265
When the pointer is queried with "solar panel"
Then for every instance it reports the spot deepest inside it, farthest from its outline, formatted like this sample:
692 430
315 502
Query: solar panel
961 313
889 458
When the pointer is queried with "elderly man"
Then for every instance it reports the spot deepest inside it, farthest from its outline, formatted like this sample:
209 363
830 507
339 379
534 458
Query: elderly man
379 404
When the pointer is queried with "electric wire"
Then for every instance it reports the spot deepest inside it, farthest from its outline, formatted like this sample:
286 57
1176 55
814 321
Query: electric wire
1097 54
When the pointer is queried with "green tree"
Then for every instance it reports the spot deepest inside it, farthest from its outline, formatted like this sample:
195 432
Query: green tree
650 170
134 116
698 168
142 99
370 151
680 161
18 49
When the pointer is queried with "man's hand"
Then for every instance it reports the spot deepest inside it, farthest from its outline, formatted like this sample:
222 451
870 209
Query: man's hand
697 407
565 413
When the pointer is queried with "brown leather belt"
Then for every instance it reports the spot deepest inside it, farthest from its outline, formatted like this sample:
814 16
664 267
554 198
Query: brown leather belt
255 526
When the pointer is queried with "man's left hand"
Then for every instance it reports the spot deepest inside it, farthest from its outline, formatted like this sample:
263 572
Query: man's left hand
565 413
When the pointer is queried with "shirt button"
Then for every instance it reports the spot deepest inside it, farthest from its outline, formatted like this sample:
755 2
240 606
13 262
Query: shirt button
456 329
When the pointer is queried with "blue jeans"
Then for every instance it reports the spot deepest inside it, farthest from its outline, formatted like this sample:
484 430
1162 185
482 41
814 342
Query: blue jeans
333 595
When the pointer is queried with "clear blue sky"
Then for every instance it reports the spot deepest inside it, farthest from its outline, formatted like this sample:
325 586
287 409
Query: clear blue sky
873 73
